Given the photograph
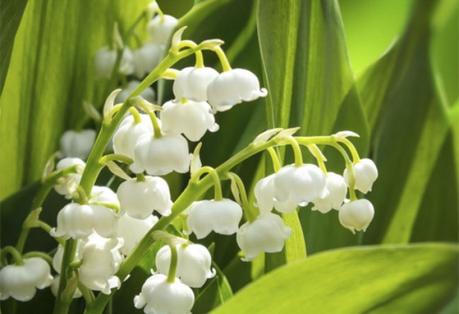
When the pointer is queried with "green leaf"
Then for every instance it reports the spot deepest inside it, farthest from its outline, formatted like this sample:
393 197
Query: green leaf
49 76
389 279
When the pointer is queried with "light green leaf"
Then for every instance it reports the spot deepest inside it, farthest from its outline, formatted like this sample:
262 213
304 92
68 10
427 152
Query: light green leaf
389 279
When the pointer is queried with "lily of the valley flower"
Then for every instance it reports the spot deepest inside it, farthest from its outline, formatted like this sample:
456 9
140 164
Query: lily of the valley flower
105 60
132 230
140 198
160 296
128 133
21 281
193 264
222 216
233 87
160 28
333 195
147 94
191 83
68 184
104 195
160 156
365 172
298 186
267 233
356 215
100 261
146 58
77 144
189 118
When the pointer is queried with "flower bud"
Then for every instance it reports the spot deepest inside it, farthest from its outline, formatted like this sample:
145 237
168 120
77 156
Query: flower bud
161 28
132 230
148 94
140 198
191 83
365 172
193 263
356 215
129 132
298 186
191 118
333 195
100 261
77 144
221 216
160 296
160 156
267 233
68 184
146 58
105 60
232 87
21 281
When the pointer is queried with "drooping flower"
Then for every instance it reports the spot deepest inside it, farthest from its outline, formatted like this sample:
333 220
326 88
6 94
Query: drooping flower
356 215
333 195
21 281
132 230
159 296
297 186
221 216
105 60
189 118
100 261
129 132
264 193
233 87
267 233
365 172
193 263
140 198
191 83
146 58
67 185
105 196
77 144
160 156
160 28
148 94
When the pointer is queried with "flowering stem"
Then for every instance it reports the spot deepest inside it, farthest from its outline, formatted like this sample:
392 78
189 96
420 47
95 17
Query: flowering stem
151 113
88 295
136 115
173 265
115 157
296 151
42 255
351 147
218 193
274 158
223 59
315 151
350 170
14 253
250 212
198 54
65 294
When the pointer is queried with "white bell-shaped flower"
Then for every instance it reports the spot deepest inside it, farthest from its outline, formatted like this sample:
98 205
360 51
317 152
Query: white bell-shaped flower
233 87
193 263
189 118
221 216
140 198
264 193
104 195
333 195
78 221
365 172
160 297
146 58
298 186
67 185
148 94
267 233
105 60
160 156
132 230
129 132
77 144
356 215
160 28
100 261
21 281
55 288
191 83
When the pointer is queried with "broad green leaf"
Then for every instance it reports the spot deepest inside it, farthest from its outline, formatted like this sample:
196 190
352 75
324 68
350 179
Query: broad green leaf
385 279
408 125
49 76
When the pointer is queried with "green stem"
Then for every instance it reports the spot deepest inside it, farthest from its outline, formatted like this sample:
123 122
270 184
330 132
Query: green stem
42 255
173 264
274 158
315 151
218 193
154 119
350 170
136 115
250 212
226 66
14 253
298 155
198 54
115 157
88 295
351 147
